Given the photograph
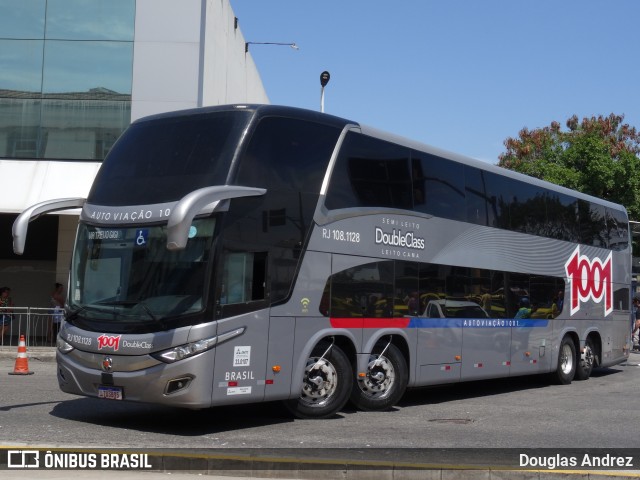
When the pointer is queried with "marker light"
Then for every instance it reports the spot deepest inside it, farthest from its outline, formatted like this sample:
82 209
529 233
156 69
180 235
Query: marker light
458 358
276 368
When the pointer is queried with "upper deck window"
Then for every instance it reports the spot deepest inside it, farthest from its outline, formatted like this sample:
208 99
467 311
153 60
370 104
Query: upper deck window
162 160
370 173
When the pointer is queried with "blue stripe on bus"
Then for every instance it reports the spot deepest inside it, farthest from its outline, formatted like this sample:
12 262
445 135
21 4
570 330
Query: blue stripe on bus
421 322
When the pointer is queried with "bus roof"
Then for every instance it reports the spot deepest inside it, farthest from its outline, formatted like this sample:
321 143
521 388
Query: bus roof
261 110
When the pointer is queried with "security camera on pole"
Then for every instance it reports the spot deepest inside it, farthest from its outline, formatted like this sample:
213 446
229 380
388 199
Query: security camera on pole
324 79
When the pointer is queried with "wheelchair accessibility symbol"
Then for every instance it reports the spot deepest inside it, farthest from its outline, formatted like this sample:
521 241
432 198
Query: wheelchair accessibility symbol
142 236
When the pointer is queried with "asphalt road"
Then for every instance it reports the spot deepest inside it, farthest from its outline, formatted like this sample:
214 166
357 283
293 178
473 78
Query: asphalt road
524 412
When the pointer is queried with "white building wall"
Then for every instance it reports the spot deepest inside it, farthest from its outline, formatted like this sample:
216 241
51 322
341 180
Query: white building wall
190 56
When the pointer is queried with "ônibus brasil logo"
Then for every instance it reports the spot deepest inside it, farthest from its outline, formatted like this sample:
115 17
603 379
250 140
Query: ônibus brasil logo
109 341
590 280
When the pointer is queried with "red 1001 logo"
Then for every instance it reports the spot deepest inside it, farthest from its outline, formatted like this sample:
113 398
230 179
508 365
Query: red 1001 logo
590 280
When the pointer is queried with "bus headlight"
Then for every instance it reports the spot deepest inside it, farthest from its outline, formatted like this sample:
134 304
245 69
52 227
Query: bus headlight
194 348
63 347
185 351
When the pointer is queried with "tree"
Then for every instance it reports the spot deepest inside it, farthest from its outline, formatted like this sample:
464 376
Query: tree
597 156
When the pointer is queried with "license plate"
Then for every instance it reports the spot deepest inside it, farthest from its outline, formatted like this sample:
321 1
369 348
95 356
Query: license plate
110 393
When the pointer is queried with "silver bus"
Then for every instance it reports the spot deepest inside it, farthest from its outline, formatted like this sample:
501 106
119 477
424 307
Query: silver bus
251 253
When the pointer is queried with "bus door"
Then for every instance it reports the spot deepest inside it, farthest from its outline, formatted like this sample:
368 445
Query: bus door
244 316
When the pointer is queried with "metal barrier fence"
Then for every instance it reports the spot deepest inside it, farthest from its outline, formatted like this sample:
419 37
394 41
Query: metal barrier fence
35 323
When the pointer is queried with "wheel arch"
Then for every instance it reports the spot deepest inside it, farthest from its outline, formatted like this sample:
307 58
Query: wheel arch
596 341
344 339
575 339
397 337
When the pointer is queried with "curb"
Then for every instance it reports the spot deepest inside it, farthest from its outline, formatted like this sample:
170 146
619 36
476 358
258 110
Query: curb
42 354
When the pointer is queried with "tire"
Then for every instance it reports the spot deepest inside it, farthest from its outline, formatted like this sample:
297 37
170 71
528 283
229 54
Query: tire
385 382
566 369
326 384
586 362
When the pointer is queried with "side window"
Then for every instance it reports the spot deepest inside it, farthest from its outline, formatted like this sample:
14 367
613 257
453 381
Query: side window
562 217
362 291
243 278
438 186
370 173
480 205
592 224
617 229
407 297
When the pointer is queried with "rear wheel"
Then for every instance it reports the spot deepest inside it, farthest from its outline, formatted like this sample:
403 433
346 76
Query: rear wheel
587 361
385 381
327 381
566 368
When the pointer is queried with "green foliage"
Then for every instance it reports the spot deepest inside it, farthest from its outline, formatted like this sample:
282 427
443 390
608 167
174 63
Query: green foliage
597 156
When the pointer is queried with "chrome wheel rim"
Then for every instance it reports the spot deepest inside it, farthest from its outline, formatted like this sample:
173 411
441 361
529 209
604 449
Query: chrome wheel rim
566 359
320 382
380 378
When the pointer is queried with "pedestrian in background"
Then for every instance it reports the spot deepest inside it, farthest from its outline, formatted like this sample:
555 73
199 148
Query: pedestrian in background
57 314
5 310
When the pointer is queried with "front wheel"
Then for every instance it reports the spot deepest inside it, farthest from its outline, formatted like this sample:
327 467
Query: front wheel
566 369
385 381
326 384
587 361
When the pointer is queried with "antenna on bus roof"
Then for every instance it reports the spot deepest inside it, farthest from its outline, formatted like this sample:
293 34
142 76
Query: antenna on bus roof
324 79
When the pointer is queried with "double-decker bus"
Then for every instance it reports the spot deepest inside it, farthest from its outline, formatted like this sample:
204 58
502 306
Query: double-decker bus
251 253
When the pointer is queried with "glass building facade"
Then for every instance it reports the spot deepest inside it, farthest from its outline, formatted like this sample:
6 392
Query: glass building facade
65 77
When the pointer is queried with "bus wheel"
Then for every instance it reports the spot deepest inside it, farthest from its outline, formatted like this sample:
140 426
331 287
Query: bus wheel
587 361
326 384
385 381
566 369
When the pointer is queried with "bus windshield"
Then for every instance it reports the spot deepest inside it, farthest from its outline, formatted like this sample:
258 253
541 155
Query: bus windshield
127 275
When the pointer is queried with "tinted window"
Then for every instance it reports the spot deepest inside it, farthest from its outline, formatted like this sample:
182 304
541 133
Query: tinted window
20 67
370 173
22 19
288 154
64 59
443 291
527 208
163 160
363 291
481 206
95 69
617 229
289 158
90 20
438 186
562 215
593 228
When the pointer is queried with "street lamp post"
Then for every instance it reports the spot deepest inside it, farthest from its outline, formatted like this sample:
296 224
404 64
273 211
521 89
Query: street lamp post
324 79
291 44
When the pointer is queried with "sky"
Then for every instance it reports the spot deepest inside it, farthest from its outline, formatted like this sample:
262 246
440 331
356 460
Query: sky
461 75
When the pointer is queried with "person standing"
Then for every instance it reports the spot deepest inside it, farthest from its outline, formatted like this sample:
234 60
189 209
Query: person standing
57 314
5 310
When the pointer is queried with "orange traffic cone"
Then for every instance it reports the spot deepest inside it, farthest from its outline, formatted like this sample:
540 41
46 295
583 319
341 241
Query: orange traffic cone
22 363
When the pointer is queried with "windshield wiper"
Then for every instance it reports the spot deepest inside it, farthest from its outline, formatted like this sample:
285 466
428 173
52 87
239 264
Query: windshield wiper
133 303
74 313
